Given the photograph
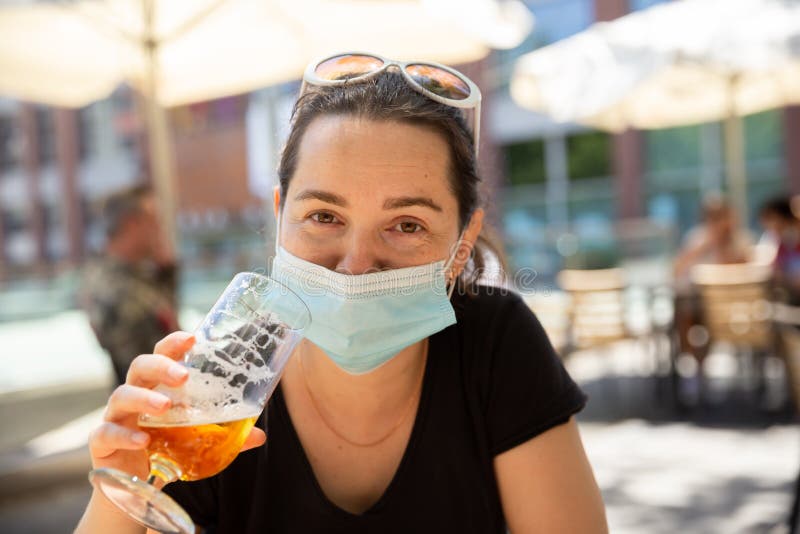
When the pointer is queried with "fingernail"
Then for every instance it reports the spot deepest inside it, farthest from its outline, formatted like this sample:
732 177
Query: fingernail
188 337
158 402
140 438
177 372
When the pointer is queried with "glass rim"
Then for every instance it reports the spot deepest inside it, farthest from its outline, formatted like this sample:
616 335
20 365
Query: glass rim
283 287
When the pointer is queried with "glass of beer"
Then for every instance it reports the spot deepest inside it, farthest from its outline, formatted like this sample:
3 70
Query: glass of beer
234 366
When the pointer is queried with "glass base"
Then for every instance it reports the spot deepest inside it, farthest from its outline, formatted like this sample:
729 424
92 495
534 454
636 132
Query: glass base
142 502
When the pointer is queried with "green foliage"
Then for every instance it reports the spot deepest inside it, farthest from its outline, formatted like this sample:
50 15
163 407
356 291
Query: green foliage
589 155
526 162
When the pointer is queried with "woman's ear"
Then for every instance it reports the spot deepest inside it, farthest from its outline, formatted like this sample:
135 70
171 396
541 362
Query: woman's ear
466 244
276 200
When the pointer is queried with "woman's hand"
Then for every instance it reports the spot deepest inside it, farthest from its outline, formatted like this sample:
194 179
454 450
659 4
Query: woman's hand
118 443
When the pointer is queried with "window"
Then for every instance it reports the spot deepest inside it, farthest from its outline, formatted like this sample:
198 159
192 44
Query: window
673 148
589 155
526 162
45 132
10 142
85 132
764 135
128 121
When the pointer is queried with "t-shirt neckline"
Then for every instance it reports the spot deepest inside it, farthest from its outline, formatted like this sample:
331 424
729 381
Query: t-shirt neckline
408 452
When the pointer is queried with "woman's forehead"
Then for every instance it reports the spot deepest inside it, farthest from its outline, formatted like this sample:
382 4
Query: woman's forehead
373 158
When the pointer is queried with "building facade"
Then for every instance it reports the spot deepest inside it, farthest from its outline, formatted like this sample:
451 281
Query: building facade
564 180
56 165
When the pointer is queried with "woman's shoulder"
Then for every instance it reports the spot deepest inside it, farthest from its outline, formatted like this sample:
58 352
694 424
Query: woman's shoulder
511 368
492 310
495 321
483 301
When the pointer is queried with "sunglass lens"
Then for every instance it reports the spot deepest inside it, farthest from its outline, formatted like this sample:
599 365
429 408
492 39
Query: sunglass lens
439 81
347 66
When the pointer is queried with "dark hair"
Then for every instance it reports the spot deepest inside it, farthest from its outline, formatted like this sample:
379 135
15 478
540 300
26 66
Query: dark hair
119 206
388 97
780 206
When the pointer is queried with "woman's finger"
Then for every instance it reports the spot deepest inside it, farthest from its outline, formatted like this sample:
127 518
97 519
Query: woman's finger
128 399
174 345
110 437
256 438
149 370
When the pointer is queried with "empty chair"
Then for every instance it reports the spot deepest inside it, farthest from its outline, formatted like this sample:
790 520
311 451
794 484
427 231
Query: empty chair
597 307
737 309
552 311
736 304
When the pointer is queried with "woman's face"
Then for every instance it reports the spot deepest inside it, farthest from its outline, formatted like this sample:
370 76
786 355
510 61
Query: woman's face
371 195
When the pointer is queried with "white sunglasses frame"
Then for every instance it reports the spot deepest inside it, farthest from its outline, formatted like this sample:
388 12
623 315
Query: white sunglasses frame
473 100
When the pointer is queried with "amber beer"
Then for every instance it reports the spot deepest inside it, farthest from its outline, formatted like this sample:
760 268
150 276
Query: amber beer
198 450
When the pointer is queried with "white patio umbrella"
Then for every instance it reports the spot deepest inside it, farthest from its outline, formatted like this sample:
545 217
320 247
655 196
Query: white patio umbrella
677 63
181 51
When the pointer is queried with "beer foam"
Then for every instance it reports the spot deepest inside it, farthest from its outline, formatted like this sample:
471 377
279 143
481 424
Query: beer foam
208 398
233 366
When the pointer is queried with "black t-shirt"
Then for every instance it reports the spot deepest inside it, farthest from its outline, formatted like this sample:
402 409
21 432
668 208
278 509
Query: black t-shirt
492 381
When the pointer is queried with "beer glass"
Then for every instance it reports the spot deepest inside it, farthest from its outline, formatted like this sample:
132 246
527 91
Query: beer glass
240 350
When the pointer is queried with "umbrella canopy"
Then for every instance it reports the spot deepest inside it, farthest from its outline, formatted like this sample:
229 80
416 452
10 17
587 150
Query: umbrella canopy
678 63
71 54
181 51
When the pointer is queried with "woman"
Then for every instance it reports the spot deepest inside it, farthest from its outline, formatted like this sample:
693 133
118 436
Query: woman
459 418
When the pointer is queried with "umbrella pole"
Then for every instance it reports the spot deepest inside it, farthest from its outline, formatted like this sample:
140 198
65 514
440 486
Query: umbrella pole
159 145
736 169
735 164
557 189
161 169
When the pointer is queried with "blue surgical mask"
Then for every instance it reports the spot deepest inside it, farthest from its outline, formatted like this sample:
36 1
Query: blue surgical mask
362 321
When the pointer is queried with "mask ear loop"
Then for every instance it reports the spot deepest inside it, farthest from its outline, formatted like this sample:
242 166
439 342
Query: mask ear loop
278 231
449 263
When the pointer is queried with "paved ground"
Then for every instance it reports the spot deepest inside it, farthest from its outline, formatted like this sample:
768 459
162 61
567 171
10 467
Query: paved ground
727 467
51 510
674 478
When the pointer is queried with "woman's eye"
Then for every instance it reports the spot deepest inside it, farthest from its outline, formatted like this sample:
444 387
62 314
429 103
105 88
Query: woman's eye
408 227
323 218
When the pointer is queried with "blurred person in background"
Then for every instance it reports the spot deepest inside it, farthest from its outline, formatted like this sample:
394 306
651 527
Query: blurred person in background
717 240
129 292
780 244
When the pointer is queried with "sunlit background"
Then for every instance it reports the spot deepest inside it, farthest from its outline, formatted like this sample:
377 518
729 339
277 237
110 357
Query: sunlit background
563 196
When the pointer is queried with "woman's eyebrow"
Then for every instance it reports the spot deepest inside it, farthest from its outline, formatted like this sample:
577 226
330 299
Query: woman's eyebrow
324 196
404 202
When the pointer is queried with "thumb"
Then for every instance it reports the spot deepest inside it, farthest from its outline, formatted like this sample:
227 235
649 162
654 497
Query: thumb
256 438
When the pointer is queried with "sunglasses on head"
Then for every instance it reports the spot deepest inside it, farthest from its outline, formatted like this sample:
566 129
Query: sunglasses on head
438 82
